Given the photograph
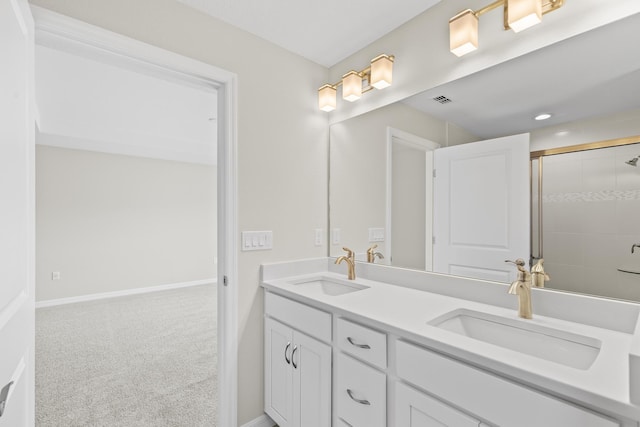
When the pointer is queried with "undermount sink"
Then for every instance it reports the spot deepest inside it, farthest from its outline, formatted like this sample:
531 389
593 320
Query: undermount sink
576 351
329 286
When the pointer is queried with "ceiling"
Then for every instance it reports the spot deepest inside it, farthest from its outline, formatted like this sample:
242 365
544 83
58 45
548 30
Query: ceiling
325 31
574 79
593 74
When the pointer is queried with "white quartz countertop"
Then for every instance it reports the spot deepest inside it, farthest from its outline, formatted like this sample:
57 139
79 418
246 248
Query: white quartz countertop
406 312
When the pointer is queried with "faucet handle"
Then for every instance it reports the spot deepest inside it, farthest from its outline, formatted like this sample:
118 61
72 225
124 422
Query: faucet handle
348 251
371 248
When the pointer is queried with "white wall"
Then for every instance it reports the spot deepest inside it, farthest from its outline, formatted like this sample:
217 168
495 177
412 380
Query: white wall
282 145
88 102
110 222
409 207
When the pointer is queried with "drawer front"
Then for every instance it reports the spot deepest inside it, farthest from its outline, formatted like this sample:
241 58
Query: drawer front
309 320
488 396
362 342
416 409
361 393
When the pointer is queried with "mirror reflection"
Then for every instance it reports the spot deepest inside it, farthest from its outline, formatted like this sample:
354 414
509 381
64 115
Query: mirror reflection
584 222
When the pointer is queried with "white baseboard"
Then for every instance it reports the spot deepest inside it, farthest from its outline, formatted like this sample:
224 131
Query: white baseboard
122 293
261 421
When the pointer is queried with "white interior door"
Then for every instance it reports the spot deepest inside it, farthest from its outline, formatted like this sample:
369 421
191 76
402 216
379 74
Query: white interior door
16 215
481 208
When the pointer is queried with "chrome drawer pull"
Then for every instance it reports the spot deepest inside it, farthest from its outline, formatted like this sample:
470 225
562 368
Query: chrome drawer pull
352 342
360 401
285 353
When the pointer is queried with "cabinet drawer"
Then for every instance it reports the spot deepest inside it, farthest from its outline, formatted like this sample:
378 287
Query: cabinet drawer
488 396
416 409
312 321
362 342
361 393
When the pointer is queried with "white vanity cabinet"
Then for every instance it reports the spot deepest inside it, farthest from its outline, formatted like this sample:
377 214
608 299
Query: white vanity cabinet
373 356
417 409
492 398
297 366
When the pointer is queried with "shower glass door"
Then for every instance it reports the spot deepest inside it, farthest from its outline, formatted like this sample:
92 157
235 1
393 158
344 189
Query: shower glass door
586 217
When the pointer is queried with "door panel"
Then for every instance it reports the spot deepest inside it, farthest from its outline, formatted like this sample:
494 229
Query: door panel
278 340
312 382
481 208
16 214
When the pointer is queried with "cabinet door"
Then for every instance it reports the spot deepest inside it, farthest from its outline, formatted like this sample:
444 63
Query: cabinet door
416 409
278 384
311 362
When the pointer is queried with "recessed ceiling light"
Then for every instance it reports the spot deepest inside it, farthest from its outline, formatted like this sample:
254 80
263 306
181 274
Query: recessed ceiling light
543 116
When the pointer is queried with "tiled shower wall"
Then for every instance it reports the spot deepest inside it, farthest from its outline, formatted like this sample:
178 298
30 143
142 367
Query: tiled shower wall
591 218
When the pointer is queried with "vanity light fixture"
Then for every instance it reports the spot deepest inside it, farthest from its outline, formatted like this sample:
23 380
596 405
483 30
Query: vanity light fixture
378 75
518 15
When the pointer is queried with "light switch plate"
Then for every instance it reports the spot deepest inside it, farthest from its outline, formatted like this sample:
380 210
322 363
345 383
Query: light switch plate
376 235
257 240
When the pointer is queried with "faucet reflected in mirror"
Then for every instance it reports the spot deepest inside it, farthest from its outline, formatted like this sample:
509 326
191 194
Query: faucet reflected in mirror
522 285
371 255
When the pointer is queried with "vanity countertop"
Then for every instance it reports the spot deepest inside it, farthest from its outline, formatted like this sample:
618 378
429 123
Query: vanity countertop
406 312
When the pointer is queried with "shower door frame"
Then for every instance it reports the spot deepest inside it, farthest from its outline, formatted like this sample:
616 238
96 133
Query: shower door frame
539 155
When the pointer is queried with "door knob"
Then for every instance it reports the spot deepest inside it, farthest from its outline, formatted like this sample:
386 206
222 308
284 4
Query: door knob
4 395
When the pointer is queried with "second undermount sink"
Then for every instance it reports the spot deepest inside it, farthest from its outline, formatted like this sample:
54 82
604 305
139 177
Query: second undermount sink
329 286
566 348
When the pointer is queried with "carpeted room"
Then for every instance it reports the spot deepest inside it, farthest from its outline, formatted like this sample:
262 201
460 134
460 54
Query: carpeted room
125 246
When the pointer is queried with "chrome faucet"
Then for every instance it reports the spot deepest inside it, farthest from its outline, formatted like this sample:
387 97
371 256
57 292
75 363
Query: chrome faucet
350 259
522 288
635 245
371 255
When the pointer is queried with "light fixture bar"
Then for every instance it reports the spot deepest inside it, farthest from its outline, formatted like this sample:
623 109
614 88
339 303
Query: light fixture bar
489 8
378 75
463 31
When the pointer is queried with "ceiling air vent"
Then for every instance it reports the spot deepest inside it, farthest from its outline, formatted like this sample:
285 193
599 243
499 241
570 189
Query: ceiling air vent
442 99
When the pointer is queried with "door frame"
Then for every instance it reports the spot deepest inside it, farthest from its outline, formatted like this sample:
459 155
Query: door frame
51 27
418 143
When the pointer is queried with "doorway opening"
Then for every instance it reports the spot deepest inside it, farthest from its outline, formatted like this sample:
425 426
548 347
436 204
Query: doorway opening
68 35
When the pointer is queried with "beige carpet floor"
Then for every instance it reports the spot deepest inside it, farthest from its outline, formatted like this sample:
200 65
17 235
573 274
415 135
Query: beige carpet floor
143 360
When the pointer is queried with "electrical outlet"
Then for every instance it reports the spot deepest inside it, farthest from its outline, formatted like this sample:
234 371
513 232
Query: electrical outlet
335 236
55 275
319 236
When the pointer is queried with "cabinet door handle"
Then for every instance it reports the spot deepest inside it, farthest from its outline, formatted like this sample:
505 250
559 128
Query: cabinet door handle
352 342
360 401
293 361
285 353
